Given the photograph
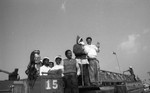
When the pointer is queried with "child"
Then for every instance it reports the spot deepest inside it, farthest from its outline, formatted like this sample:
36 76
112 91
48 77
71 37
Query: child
71 70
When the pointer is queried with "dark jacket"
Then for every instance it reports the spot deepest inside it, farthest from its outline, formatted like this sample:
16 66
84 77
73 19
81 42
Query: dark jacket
78 49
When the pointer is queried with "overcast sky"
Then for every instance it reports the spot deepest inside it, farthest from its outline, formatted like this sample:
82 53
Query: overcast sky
51 26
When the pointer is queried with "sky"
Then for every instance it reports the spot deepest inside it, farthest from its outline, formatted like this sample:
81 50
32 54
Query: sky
51 26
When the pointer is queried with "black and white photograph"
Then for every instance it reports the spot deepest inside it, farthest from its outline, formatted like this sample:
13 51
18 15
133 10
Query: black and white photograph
74 46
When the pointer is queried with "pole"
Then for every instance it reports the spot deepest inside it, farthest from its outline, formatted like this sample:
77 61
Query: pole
118 64
117 61
82 74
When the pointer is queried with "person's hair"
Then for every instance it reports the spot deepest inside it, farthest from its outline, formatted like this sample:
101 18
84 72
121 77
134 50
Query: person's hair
67 51
16 70
37 52
44 63
88 38
32 55
51 63
31 70
58 58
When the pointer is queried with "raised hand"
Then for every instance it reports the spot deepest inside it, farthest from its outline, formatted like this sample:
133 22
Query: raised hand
98 45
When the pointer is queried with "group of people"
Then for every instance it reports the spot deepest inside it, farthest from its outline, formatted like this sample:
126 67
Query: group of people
49 66
81 70
39 67
86 58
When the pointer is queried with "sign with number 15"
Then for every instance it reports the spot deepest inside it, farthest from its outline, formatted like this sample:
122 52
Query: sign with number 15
51 84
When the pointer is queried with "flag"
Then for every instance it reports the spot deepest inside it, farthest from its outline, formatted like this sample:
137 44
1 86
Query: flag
114 53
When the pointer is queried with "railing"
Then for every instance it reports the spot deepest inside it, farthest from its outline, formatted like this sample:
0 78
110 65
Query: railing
5 91
107 76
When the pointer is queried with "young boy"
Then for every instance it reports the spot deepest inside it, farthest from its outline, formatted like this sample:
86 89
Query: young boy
71 70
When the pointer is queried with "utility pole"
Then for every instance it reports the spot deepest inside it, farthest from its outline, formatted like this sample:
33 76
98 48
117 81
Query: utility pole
117 61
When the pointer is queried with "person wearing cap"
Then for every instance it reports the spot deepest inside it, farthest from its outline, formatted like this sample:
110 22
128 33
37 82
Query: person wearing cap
81 58
45 68
71 72
92 51
58 65
131 70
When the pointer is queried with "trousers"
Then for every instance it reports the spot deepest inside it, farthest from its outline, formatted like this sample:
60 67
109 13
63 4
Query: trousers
93 71
84 77
71 83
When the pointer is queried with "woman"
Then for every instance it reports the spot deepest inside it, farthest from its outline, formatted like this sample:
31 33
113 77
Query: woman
32 70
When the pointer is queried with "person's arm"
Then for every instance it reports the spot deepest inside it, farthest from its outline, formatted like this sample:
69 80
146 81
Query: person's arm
78 69
40 72
62 68
18 77
44 73
126 71
62 71
85 49
98 50
97 47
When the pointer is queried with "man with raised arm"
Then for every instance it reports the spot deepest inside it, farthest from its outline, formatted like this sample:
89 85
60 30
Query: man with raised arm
92 51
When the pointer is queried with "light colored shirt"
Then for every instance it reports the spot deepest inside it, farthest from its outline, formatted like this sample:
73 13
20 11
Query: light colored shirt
91 50
58 67
44 69
82 61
